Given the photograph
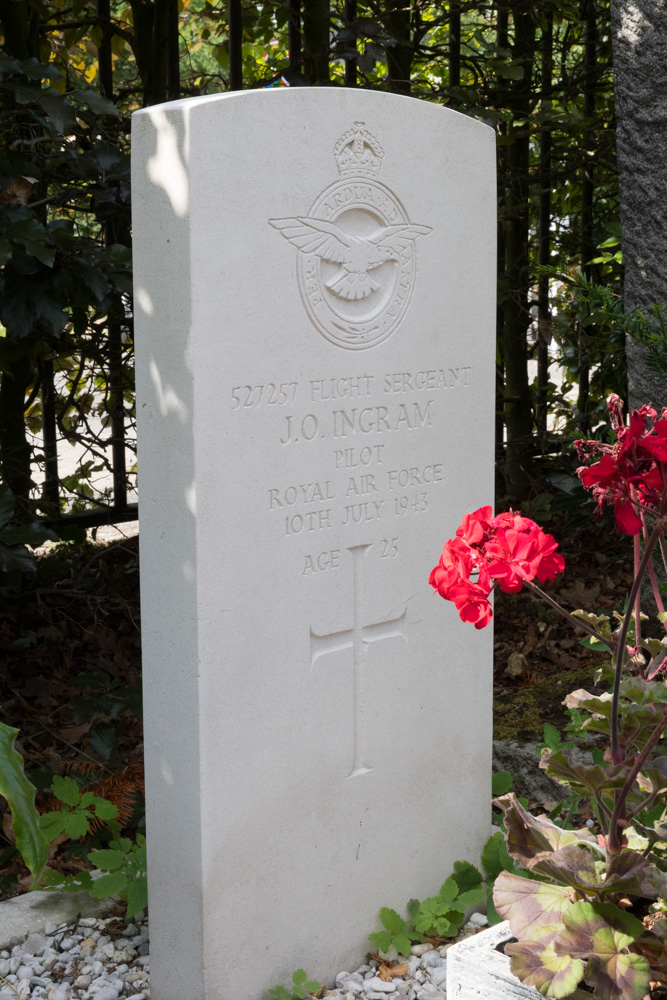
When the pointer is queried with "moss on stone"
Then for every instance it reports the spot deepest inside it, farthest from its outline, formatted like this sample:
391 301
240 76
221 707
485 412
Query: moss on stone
521 715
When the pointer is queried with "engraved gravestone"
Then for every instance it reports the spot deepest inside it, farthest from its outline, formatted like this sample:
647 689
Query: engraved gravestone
314 275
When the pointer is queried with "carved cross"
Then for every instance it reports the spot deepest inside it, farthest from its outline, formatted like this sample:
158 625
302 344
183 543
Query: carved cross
357 639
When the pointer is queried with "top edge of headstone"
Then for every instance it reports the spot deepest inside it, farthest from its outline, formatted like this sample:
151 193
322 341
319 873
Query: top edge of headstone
291 93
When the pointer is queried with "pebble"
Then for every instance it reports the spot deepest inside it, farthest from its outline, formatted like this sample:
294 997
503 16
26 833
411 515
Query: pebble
108 993
56 964
377 985
420 949
479 920
439 976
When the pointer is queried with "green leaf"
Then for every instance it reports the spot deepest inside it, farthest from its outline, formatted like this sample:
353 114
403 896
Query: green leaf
299 977
402 944
312 986
20 795
391 920
104 809
280 993
107 860
27 534
466 876
52 824
76 825
470 897
381 940
16 557
495 858
501 783
98 104
108 885
510 70
448 890
44 254
66 790
137 895
491 912
413 908
552 737
103 740
59 111
447 927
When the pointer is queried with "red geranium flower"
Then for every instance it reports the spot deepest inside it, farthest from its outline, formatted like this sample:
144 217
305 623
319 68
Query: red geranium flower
631 474
509 548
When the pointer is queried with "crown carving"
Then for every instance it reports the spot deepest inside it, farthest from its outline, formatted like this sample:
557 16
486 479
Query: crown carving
358 153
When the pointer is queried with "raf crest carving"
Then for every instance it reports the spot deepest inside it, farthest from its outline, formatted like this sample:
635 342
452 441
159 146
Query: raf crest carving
356 258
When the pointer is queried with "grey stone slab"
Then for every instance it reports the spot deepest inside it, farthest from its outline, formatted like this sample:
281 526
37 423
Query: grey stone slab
23 914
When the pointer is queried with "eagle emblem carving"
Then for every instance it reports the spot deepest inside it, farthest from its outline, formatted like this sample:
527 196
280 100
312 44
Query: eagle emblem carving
356 255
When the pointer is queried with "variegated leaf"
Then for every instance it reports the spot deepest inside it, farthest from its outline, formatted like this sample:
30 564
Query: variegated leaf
529 905
536 963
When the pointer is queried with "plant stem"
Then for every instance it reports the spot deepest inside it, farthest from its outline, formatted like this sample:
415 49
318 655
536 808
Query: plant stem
648 801
616 757
663 552
651 572
614 840
608 641
637 608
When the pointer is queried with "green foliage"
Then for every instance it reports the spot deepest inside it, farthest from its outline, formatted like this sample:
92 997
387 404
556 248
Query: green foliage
443 914
123 862
301 985
396 932
79 810
501 782
440 915
124 865
495 859
20 796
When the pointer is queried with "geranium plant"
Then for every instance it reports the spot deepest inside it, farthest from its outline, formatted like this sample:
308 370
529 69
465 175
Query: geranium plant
590 908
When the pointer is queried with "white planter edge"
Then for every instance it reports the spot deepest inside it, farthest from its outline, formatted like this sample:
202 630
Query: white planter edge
476 970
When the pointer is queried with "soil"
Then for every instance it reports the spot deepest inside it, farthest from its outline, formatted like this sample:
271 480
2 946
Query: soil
70 668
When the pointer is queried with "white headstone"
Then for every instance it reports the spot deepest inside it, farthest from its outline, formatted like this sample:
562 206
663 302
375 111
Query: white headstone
315 310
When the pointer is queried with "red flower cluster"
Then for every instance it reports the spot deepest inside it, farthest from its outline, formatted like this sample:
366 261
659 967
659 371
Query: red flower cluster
632 473
508 549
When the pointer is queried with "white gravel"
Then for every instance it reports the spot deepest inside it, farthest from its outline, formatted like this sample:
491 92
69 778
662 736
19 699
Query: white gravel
94 959
107 959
